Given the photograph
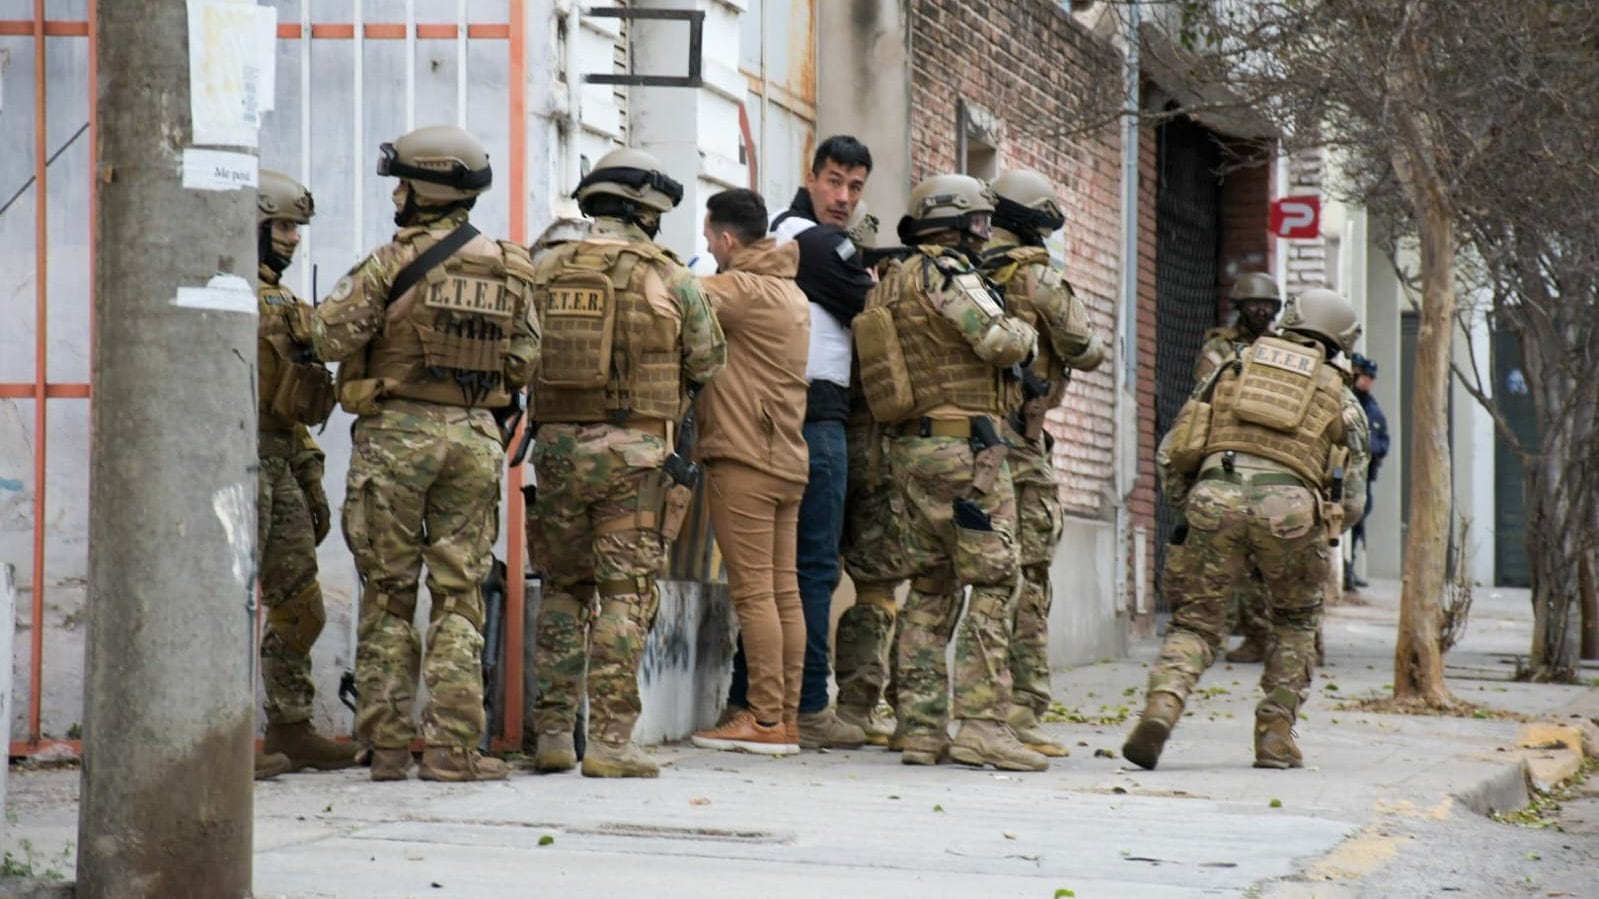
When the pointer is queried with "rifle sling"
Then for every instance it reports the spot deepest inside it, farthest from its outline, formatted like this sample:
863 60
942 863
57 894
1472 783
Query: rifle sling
430 259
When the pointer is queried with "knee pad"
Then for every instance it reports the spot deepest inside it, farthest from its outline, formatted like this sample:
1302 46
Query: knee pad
298 622
467 605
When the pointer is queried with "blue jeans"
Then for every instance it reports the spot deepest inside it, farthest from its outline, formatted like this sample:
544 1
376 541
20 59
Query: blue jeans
821 522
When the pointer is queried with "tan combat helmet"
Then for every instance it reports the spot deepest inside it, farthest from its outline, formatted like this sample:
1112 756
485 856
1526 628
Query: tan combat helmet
633 175
947 203
862 226
442 163
1256 286
282 197
1027 205
1322 313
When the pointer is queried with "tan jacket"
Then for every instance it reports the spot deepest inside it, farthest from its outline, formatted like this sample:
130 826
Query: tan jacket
754 411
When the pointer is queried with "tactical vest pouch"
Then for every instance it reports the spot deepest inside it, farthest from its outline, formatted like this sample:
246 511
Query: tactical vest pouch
579 327
1277 384
470 330
304 393
884 377
360 396
1189 433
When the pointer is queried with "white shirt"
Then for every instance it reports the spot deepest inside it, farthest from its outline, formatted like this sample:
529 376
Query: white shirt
830 341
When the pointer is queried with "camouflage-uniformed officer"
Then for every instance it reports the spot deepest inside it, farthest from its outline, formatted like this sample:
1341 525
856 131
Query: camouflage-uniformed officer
1256 464
1257 301
422 366
628 332
935 345
294 390
872 551
1026 212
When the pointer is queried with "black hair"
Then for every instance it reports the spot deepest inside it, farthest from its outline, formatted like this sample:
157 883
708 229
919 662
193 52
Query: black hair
844 150
741 211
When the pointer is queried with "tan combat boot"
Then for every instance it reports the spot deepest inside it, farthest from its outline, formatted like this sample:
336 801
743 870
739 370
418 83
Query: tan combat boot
1274 731
603 759
1143 746
391 764
922 748
455 764
877 728
555 753
825 730
308 749
980 742
1251 650
270 764
1023 723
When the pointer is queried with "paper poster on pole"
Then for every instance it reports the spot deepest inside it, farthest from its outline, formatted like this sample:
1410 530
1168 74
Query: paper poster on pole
226 77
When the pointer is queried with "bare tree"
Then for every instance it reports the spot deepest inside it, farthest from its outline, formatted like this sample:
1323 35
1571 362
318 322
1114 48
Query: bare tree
1429 103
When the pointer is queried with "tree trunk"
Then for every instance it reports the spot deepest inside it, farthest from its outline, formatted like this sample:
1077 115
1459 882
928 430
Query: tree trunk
1590 609
1418 652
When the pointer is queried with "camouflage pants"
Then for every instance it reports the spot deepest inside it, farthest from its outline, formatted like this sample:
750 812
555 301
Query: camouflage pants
944 556
1247 613
1232 527
594 530
424 486
872 545
286 548
1041 520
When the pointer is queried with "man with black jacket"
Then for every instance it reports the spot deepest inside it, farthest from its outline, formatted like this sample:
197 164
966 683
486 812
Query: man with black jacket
836 284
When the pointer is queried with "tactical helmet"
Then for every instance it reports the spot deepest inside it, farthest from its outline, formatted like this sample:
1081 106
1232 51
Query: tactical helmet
1322 313
282 197
1026 204
442 163
1256 286
633 175
1364 365
946 203
862 226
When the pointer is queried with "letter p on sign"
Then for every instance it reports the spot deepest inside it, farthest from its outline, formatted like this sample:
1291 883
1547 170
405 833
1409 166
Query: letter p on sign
1296 217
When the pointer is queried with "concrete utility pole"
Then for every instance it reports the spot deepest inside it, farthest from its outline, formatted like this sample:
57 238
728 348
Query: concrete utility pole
168 695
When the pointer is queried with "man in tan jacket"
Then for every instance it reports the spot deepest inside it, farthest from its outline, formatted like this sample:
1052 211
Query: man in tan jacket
752 443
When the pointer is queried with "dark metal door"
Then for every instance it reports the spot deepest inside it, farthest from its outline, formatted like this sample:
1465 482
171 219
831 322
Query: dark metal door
1187 249
1510 520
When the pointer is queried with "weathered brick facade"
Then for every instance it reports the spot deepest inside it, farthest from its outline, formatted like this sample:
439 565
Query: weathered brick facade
1015 64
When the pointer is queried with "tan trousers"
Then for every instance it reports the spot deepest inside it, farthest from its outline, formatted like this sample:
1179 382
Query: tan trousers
755 516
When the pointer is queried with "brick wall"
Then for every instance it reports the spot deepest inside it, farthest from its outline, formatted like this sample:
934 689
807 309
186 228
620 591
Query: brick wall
980 53
1245 216
1142 505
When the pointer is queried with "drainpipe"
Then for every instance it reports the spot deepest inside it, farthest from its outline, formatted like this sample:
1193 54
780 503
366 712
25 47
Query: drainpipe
1126 406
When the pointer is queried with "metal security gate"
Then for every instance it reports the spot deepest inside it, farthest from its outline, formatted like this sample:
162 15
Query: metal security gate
1187 249
350 74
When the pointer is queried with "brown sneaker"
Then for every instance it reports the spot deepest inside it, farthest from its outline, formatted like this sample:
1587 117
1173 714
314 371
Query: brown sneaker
981 742
878 728
1024 724
455 764
308 749
1143 746
825 730
745 734
555 753
270 764
391 764
729 712
1274 732
603 759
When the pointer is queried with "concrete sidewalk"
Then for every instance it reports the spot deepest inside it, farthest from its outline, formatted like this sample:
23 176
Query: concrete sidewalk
849 824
